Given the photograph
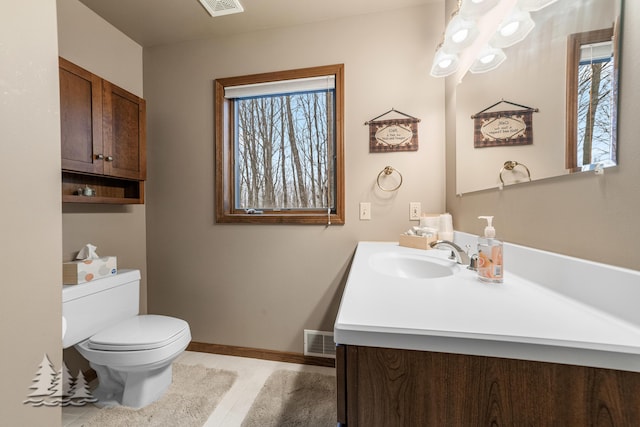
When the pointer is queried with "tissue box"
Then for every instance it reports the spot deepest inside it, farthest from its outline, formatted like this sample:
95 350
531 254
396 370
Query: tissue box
416 242
82 271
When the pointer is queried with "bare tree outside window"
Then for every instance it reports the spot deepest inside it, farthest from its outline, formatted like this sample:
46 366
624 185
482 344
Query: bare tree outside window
284 150
595 101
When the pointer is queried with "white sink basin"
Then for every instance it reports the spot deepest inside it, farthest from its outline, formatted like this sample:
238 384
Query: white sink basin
407 266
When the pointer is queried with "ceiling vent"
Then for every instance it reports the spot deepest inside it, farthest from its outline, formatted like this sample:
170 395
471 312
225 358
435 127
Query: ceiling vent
222 7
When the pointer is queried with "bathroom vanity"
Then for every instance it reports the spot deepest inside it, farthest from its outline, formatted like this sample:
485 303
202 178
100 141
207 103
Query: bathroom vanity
422 342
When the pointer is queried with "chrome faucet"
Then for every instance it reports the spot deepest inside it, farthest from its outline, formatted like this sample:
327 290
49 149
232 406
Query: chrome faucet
457 252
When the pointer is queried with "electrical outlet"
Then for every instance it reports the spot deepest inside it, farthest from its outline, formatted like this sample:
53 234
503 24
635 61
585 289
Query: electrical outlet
365 210
414 211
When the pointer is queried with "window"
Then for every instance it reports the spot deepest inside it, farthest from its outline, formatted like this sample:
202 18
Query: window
591 100
279 147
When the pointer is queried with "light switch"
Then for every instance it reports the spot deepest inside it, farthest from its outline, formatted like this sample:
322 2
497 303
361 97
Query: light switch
365 211
414 211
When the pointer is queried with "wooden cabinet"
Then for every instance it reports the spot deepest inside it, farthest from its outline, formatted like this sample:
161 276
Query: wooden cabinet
103 129
390 387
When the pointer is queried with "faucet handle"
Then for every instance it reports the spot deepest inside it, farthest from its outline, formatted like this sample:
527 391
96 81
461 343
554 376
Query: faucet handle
473 262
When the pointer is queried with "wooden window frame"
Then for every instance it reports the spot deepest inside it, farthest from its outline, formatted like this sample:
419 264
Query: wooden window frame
574 43
224 149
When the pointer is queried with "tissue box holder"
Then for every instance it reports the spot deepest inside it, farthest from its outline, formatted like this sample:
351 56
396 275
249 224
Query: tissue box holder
416 242
83 271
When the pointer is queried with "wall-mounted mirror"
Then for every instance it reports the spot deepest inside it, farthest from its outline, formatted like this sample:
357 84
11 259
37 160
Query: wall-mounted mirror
536 74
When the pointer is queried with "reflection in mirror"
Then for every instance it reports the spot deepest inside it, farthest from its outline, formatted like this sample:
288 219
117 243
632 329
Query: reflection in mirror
534 74
591 82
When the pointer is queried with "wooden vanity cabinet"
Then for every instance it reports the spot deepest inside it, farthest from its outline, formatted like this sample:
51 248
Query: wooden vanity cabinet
391 387
103 130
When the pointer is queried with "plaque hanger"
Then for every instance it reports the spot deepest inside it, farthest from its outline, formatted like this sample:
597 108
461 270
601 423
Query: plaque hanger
535 110
393 110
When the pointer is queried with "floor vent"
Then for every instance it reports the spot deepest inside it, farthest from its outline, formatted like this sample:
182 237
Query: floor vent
222 7
319 343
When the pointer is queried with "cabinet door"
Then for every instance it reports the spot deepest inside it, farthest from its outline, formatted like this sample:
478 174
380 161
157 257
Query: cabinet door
124 133
80 119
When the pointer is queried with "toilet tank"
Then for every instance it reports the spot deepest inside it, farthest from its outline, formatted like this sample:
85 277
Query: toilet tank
90 307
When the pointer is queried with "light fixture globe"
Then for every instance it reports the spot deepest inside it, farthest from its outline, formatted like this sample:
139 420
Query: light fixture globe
460 33
513 29
488 59
444 63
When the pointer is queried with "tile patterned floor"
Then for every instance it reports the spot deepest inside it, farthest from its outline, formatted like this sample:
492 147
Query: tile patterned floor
252 373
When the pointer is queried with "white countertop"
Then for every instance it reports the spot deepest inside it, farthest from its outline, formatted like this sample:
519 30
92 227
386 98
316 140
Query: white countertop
459 314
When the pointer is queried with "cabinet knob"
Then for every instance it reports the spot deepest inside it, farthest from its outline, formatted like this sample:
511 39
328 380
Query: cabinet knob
99 156
109 159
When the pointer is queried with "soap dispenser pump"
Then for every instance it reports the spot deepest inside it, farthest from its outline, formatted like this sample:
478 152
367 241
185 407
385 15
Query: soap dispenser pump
490 264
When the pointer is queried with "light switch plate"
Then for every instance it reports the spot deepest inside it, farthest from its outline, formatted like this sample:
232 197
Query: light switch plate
414 211
365 211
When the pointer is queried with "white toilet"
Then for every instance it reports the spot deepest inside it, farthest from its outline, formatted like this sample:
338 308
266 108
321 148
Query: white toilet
131 353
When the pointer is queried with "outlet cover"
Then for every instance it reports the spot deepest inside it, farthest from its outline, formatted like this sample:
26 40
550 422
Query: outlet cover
365 211
414 211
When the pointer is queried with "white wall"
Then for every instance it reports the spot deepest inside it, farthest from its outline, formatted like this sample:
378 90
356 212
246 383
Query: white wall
30 218
260 285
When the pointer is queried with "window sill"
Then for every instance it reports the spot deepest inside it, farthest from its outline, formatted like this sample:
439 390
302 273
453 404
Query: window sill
265 218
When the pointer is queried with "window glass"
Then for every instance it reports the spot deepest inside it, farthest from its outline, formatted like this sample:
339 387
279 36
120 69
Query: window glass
284 148
595 105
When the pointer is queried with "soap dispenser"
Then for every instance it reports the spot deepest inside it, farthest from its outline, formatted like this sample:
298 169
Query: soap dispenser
490 268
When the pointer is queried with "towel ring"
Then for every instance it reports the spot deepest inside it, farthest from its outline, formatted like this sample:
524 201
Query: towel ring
388 170
509 165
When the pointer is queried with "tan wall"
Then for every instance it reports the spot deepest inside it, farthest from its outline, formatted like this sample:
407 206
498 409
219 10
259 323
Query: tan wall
261 285
87 40
583 215
92 43
30 218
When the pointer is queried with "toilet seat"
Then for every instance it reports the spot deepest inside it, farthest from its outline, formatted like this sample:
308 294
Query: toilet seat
152 351
143 332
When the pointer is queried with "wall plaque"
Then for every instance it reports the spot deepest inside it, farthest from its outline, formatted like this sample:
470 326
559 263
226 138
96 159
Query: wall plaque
399 134
503 128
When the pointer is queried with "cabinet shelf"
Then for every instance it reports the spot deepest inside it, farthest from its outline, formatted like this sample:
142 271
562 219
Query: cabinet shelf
108 190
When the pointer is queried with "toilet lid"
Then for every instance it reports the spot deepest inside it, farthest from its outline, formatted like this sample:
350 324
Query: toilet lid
144 332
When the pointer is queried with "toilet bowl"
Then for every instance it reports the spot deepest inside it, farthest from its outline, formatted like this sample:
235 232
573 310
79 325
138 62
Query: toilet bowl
131 353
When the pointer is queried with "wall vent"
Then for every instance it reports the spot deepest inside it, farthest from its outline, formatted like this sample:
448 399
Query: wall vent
319 343
222 7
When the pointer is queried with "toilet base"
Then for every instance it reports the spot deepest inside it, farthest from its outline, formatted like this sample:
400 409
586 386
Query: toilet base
134 389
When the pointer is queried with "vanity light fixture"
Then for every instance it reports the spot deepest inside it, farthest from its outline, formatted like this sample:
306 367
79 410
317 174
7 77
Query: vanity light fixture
496 24
489 59
459 34
513 29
